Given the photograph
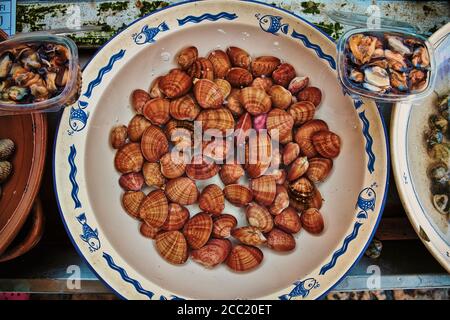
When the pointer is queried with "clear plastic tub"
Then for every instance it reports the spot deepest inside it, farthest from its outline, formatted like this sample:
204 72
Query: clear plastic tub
65 95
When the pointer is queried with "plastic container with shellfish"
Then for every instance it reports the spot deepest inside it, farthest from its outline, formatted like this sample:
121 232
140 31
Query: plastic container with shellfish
39 72
388 63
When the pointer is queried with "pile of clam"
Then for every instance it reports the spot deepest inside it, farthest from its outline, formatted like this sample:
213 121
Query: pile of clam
6 151
232 93
387 63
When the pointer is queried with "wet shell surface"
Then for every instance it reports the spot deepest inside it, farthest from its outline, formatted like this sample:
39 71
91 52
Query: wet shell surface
259 155
186 57
244 258
132 181
288 221
208 94
290 152
327 144
263 83
148 231
319 169
231 173
154 144
219 119
213 253
172 246
302 112
311 94
152 174
138 99
131 201
301 190
222 225
284 74
249 235
259 217
280 202
175 84
280 123
298 168
243 125
312 221
303 136
281 97
239 77
212 200
233 102
198 230
264 190
176 218
129 158
154 208
201 168
239 57
182 191
264 66
136 127
279 240
118 137
184 108
238 195
172 167
297 84
157 111
255 100
202 68
221 63
224 86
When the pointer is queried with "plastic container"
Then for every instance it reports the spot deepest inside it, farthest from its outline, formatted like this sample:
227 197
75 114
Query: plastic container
67 96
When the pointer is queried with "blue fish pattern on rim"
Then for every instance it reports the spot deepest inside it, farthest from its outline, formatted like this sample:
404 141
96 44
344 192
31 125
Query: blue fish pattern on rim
147 35
366 201
301 289
89 235
272 24
78 118
207 16
73 175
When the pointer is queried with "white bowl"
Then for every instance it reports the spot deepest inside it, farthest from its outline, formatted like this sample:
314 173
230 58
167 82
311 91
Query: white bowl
410 159
86 181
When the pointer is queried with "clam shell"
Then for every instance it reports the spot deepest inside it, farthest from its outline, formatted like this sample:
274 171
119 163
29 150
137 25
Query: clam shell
259 122
231 173
172 168
233 102
281 97
302 112
182 191
129 158
304 134
264 190
154 144
288 221
152 174
280 202
301 189
241 129
157 111
244 258
239 57
249 235
280 123
298 168
327 143
184 108
176 218
262 83
221 63
264 66
131 201
180 133
186 57
136 127
311 94
319 169
224 86
290 152
297 84
132 181
280 176
147 230
280 241
202 68
256 101
118 137
218 150
208 94
238 195
172 246
213 253
212 200
154 208
314 202
197 230
201 168
222 225
219 119
239 77
175 84
312 221
284 74
259 155
138 99
155 90
7 148
259 217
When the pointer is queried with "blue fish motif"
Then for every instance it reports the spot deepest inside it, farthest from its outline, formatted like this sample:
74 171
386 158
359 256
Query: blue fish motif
147 35
78 117
89 235
272 24
366 201
301 289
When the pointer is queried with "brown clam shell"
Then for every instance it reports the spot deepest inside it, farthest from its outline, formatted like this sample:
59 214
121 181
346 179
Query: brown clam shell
255 100
283 74
184 108
175 84
264 190
154 144
239 77
311 94
244 258
263 83
182 190
281 97
131 201
132 181
201 168
231 173
238 195
154 208
129 158
202 68
259 155
302 112
213 253
249 235
279 240
297 84
319 169
264 66
222 225
172 168
186 57
243 124
280 202
212 200
219 119
221 63
197 230
304 134
314 202
298 168
208 94
224 86
180 133
155 90
147 230
301 189
118 137
259 217
234 103
138 98
136 127
157 111
327 144
239 57
312 221
172 246
288 221
176 218
290 152
280 123
152 174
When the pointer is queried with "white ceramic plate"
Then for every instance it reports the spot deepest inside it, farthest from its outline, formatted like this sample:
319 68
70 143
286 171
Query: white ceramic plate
410 159
86 181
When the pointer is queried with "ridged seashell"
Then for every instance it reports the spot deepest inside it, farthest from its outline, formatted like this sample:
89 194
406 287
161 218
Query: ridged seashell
224 86
7 148
147 230
396 44
284 74
291 151
138 98
377 76
219 119
264 66
256 101
280 202
136 127
238 195
319 169
180 133
212 200
281 97
184 108
131 201
264 190
316 200
152 174
259 217
157 111
327 144
118 137
176 218
213 253
297 84
129 158
417 79
239 77
201 168
280 123
208 94
186 57
259 155
197 230
304 134
243 124
182 190
217 149
301 190
288 221
172 246
259 122
279 176
154 144
239 57
171 167
154 208
249 235
305 203
175 84
362 47
222 225
233 102
312 221
302 112
298 168
155 90
202 68
231 173
244 258
262 83
221 63
420 58
311 94
132 181
279 240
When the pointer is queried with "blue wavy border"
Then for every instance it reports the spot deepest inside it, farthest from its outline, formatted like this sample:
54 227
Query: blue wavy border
369 141
207 16
119 55
315 47
125 276
342 250
72 176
